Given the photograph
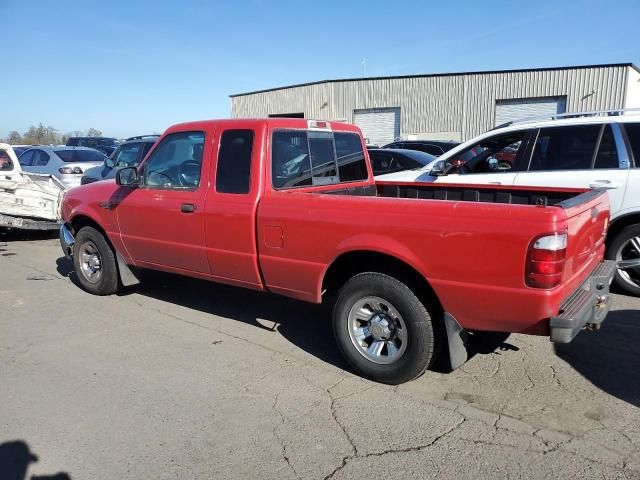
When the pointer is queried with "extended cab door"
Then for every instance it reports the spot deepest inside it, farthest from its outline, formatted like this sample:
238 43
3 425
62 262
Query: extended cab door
231 205
162 221
582 156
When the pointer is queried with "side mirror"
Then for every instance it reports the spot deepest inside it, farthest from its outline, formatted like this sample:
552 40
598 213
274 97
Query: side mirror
128 177
109 162
439 169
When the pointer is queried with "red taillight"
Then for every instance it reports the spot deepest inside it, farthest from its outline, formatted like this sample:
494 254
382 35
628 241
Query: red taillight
545 261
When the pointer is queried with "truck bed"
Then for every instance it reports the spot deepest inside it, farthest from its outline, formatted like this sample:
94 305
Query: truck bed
470 242
515 195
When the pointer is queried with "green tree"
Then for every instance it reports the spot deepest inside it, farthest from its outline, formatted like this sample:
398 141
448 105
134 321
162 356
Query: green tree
41 135
94 132
14 138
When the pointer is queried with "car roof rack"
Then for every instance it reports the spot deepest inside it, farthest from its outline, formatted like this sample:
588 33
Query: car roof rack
561 116
140 137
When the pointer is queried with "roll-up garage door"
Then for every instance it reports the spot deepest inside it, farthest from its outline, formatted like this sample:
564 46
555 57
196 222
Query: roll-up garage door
379 125
519 108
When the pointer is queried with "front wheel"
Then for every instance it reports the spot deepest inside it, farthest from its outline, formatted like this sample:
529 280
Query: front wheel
95 262
382 329
625 250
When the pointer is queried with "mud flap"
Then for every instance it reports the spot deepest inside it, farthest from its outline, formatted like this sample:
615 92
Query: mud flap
127 277
456 337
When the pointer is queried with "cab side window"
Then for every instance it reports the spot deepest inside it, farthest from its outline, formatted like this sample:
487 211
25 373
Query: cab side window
176 163
565 148
233 173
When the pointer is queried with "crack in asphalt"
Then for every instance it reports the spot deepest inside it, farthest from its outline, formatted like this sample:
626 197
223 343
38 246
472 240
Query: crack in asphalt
283 446
414 448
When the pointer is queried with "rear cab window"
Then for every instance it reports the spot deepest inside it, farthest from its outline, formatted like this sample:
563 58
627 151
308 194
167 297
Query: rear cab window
302 158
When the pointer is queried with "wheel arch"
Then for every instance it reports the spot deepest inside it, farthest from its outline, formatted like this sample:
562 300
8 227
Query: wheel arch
81 220
127 274
620 223
350 263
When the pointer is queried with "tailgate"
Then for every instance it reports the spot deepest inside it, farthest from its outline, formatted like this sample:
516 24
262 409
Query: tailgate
587 217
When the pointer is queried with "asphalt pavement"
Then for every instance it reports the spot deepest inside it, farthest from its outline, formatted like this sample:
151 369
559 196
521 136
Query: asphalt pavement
179 378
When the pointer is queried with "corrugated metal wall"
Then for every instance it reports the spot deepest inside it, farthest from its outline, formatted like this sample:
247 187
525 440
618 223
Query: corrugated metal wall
462 103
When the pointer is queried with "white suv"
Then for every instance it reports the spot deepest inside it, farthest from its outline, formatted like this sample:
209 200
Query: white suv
584 150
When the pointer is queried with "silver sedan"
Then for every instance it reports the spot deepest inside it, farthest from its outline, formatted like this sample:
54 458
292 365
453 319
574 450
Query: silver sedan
65 163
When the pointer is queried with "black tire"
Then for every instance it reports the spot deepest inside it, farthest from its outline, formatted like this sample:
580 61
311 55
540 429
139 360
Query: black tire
419 350
629 283
106 282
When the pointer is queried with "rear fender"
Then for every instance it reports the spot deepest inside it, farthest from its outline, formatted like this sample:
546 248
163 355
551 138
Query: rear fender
374 243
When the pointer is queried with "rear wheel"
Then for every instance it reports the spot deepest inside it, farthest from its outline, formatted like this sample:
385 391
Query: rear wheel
382 329
625 249
95 262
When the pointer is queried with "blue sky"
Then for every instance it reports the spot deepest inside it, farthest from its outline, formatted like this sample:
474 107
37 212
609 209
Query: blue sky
137 67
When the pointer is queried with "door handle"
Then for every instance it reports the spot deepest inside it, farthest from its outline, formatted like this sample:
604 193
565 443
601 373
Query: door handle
187 208
604 184
495 183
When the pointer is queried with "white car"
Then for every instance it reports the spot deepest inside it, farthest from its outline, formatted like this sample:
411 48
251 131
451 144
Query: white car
27 200
584 150
65 163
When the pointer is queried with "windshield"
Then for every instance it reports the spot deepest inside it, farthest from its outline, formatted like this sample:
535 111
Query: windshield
421 157
463 157
80 155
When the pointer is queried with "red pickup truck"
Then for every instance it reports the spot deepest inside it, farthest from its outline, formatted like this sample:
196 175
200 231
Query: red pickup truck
290 206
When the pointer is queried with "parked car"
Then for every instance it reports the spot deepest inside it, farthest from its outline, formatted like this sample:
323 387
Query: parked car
290 206
104 144
432 147
128 154
583 150
27 201
65 163
388 160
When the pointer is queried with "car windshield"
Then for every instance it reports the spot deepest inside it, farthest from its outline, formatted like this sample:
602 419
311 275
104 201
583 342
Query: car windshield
420 157
72 155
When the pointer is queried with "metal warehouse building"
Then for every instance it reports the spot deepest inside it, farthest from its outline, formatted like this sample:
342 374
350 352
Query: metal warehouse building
454 106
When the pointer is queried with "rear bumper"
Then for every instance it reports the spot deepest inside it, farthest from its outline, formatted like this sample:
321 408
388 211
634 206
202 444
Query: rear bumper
22 223
66 241
586 307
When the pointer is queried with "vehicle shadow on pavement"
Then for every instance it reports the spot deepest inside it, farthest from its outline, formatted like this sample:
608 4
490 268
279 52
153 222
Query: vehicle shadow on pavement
305 325
609 358
12 235
15 458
